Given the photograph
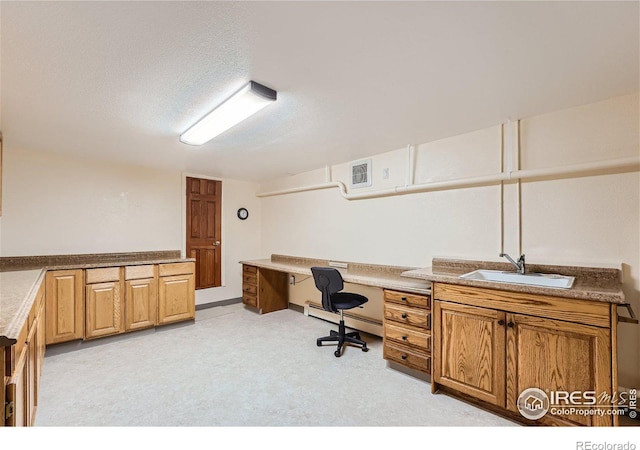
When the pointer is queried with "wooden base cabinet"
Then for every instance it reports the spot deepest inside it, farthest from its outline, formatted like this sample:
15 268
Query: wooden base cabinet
176 292
264 289
105 303
23 364
407 330
490 346
141 297
470 350
64 305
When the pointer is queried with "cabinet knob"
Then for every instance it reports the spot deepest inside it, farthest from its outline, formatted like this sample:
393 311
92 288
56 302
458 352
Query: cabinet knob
500 322
404 315
511 324
404 338
404 356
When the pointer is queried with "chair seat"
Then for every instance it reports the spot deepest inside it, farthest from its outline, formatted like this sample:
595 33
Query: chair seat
347 300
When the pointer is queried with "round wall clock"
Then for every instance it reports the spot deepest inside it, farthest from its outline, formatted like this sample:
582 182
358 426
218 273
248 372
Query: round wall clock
243 213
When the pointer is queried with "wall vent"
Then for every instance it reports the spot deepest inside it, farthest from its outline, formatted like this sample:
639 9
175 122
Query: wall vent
360 173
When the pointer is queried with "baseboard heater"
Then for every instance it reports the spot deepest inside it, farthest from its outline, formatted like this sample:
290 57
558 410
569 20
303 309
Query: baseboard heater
351 320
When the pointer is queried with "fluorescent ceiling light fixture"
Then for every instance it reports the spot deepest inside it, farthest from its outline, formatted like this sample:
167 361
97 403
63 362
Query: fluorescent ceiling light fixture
244 103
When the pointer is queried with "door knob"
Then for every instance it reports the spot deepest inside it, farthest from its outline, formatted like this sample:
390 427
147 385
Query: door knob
216 243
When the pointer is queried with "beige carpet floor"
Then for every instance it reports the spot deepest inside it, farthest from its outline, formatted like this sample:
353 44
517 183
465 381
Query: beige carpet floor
233 367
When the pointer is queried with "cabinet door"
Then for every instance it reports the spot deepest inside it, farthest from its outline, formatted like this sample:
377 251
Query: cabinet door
553 355
273 290
39 356
104 309
141 303
469 350
64 305
32 377
176 298
18 392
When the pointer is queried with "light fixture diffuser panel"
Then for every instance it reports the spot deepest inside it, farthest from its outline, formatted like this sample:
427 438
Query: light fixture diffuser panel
244 103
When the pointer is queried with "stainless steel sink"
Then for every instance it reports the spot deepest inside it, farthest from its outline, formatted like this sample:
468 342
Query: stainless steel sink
530 279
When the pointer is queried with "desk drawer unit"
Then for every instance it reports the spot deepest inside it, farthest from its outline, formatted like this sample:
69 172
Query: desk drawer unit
250 285
407 329
264 289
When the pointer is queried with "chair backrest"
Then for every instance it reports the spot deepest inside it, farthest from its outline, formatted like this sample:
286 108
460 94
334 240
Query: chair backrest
328 281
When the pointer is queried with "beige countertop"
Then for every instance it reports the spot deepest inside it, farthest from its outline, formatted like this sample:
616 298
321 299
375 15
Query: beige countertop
18 288
387 277
591 283
17 294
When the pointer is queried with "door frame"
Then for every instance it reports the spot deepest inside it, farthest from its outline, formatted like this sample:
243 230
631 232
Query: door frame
183 239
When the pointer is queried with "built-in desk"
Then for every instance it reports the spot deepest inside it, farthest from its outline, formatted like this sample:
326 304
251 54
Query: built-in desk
267 286
398 308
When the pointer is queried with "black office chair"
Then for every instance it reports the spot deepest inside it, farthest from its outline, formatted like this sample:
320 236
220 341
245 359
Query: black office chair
329 282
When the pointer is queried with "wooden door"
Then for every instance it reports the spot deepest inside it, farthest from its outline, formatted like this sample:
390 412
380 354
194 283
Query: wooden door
204 239
141 303
554 355
469 350
104 309
64 309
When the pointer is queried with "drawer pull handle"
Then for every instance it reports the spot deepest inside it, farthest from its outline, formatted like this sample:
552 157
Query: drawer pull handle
404 357
404 299
404 315
500 322
511 324
404 338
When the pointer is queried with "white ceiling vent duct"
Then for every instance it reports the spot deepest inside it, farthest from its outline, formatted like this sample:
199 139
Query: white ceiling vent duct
360 173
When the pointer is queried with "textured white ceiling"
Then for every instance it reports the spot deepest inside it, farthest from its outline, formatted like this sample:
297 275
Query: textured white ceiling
120 81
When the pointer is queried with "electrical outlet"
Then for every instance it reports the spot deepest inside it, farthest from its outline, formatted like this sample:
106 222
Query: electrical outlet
385 173
292 280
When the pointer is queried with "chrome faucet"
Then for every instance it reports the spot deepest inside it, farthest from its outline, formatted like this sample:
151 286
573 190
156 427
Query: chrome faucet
519 265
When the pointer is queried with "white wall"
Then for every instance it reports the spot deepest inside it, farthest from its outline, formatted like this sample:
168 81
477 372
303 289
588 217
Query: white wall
592 221
55 204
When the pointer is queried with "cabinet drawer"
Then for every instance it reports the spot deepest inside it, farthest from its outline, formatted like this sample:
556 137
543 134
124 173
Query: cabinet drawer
185 268
416 317
249 270
402 298
407 357
102 275
250 279
416 339
250 289
249 299
138 272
